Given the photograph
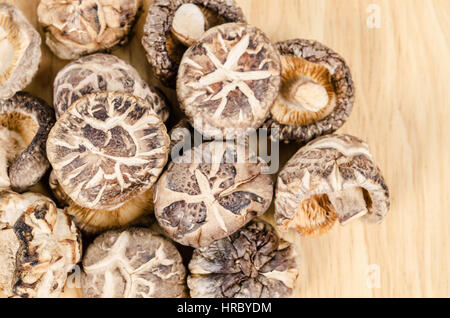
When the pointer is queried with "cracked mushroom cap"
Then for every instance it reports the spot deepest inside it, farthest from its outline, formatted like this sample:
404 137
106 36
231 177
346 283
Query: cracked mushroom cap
25 122
135 210
229 79
41 245
107 148
74 28
20 51
132 263
332 177
252 263
316 95
171 22
210 192
103 72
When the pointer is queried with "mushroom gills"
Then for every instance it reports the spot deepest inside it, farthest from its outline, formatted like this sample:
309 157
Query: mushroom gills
16 133
12 145
349 204
12 47
189 23
307 93
315 215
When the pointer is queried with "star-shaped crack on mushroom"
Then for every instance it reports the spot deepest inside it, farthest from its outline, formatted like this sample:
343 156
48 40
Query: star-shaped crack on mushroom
229 79
226 72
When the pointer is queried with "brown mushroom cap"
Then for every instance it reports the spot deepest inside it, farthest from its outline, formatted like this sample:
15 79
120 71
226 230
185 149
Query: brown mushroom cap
210 193
132 263
312 62
253 262
163 50
25 122
134 211
332 177
45 246
103 72
229 79
74 28
107 148
20 51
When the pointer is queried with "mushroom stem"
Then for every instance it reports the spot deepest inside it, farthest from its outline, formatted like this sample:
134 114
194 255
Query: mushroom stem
349 204
188 24
308 94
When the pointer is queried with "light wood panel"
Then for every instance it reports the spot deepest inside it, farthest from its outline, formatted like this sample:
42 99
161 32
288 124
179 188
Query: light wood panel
402 74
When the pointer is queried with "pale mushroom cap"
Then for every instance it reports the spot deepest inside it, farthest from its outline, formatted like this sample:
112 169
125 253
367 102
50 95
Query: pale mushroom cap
20 51
75 28
323 66
39 245
103 72
163 50
229 79
25 122
132 263
329 165
210 193
107 148
253 262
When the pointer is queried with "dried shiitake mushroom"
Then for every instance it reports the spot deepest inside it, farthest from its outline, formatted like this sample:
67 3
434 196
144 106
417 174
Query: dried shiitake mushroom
132 263
25 122
39 245
107 149
253 262
316 95
210 192
229 79
332 177
74 28
172 25
20 50
103 72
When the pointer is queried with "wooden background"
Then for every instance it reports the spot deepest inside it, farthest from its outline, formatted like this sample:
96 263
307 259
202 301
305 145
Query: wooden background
402 74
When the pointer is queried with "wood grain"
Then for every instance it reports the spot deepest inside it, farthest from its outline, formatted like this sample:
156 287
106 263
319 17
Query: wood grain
402 74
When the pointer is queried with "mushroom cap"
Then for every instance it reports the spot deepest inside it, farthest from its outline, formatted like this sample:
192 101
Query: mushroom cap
157 32
341 79
326 165
210 192
107 148
31 118
252 263
135 210
45 246
229 79
103 72
132 263
20 50
74 28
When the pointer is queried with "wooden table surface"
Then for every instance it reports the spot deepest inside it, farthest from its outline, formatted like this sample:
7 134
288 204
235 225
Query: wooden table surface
399 54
